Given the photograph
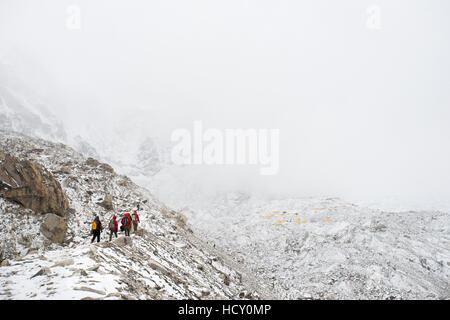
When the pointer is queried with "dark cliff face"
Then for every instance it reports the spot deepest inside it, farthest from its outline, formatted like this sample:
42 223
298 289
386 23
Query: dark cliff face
32 186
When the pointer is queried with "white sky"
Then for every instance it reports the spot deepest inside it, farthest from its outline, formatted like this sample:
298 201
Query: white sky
361 112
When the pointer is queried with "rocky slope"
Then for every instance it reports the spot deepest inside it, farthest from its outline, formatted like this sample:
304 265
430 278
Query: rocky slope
328 248
162 260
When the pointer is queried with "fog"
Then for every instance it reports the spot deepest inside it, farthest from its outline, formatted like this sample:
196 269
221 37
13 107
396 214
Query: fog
363 112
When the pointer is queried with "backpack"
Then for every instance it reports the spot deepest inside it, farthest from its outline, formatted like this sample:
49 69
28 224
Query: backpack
134 216
94 225
124 221
112 225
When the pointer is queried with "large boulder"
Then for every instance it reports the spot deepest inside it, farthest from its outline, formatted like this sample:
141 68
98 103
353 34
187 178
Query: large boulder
32 186
54 228
107 202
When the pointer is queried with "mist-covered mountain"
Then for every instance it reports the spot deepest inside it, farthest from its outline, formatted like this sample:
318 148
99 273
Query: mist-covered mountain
126 146
22 110
156 258
313 248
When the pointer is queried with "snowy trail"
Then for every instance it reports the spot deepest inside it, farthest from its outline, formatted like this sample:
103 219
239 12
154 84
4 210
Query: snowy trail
146 265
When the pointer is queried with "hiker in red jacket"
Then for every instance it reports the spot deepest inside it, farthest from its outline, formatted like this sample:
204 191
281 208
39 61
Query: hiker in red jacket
135 220
126 223
113 226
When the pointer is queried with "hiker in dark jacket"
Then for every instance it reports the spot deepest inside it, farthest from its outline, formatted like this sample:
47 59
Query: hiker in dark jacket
113 226
126 223
96 229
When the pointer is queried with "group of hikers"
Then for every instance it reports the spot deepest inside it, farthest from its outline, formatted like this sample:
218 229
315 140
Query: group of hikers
129 222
